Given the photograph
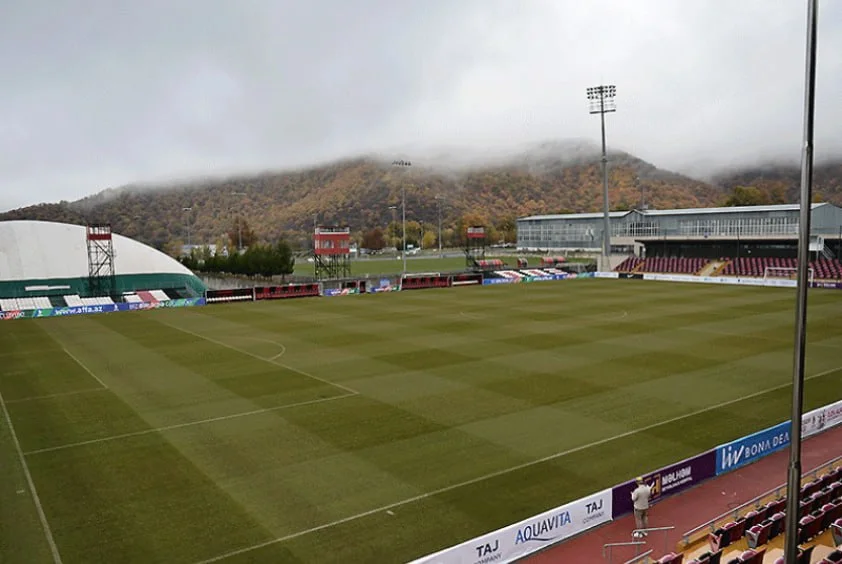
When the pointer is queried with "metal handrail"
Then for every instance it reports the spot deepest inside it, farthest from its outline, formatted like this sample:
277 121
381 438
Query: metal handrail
611 545
733 513
652 529
656 529
640 557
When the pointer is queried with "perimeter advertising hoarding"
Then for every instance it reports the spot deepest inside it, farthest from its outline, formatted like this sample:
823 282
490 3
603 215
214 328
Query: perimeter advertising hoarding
528 536
340 291
666 481
752 448
105 308
821 419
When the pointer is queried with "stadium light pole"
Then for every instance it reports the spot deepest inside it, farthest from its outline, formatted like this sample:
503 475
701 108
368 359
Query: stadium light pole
239 226
439 200
601 101
403 163
394 221
793 491
188 209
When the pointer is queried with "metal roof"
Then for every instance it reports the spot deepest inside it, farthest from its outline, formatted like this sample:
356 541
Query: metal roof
733 209
596 215
682 211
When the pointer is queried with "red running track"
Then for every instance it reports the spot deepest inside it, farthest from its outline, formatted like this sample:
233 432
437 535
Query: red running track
695 507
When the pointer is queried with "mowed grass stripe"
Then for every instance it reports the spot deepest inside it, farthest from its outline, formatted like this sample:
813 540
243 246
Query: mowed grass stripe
234 368
442 407
506 488
138 501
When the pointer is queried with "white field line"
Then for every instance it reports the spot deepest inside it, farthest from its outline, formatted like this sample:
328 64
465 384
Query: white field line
507 470
277 344
188 424
85 368
761 337
272 360
48 532
58 395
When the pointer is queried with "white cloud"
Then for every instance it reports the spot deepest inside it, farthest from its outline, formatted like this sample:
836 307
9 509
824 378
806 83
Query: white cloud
102 94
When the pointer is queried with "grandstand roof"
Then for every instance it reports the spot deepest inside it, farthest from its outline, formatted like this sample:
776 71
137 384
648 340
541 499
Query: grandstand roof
596 215
44 250
682 211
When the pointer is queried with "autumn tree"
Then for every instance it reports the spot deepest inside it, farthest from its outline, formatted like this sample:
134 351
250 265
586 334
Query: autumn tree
241 236
373 239
747 196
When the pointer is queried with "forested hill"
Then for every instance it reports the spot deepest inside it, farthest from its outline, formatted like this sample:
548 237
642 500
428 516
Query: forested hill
359 193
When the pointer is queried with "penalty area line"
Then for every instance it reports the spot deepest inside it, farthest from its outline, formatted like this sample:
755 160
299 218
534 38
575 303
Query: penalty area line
187 424
58 395
509 470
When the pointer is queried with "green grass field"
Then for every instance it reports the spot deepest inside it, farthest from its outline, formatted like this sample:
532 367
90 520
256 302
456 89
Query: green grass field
380 265
376 428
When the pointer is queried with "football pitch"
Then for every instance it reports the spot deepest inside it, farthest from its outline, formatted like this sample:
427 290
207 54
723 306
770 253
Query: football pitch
376 428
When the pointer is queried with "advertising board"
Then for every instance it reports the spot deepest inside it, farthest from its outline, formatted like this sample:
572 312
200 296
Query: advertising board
104 308
821 419
340 291
666 481
752 448
528 536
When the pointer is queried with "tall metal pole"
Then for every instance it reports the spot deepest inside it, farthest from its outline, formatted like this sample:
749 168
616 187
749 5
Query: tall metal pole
402 163
438 201
403 221
190 209
794 478
606 243
602 102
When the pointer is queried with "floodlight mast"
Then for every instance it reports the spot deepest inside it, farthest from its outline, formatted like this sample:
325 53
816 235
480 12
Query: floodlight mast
793 492
601 101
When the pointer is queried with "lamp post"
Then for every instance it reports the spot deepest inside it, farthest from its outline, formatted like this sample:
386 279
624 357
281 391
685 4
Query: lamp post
239 226
188 224
793 491
403 163
601 101
438 201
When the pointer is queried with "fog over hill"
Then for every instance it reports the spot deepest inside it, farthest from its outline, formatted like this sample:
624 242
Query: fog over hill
493 187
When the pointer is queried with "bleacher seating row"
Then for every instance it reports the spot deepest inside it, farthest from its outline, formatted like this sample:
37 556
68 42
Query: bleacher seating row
823 268
17 304
820 511
74 300
524 272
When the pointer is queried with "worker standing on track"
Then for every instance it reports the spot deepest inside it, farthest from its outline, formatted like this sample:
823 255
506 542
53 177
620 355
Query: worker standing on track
640 497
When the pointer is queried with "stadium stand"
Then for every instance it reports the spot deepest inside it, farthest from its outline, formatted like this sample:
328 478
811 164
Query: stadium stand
755 528
823 268
629 265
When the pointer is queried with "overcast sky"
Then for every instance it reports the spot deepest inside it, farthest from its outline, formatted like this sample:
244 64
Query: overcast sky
100 93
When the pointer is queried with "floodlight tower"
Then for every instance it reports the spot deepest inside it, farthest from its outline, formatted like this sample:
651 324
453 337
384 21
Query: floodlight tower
601 101
403 163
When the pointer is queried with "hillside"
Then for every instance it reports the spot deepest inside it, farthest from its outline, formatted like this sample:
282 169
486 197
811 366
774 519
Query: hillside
359 192
548 178
781 184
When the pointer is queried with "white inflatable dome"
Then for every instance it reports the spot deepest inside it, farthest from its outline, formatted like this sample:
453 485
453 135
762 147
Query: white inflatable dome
39 250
